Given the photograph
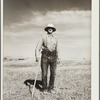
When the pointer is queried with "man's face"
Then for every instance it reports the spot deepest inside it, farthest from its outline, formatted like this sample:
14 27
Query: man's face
50 30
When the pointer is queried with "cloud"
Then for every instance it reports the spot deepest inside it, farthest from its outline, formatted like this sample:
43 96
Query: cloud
14 10
60 19
69 23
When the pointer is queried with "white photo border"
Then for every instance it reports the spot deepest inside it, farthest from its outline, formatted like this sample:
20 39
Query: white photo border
95 51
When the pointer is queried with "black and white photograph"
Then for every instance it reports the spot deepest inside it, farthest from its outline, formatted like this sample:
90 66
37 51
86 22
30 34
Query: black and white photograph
47 50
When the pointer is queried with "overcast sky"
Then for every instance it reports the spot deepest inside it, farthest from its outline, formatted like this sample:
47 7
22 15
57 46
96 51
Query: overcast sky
25 20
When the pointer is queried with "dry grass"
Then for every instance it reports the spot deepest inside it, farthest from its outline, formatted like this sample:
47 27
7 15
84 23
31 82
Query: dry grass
72 82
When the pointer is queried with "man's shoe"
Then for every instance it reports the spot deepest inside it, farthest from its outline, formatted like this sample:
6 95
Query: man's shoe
44 90
51 90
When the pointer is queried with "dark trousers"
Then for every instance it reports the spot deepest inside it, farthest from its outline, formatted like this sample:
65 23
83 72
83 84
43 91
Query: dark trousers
45 62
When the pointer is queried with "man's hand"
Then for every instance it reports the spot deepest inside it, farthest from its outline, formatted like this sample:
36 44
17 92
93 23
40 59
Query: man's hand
58 61
37 59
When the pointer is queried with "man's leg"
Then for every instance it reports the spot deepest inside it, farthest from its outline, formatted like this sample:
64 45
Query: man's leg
52 74
44 69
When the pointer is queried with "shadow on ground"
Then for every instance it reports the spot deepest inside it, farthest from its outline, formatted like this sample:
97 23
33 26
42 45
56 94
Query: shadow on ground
30 83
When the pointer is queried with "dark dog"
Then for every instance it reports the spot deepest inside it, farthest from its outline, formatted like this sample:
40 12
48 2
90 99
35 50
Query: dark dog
30 83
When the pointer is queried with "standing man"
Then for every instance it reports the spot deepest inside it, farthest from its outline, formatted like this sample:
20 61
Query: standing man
48 46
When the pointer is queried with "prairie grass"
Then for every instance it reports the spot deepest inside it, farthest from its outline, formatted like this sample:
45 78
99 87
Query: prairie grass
72 82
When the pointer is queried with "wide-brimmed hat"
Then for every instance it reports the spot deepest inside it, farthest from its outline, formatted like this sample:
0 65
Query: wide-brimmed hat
50 26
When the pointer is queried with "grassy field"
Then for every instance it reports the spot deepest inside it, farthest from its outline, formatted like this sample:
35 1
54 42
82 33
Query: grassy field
73 80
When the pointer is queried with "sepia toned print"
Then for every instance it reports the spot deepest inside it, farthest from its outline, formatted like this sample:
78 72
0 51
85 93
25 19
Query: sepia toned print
47 50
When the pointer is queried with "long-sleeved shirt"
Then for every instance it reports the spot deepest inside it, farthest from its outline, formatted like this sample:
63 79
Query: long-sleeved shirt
48 41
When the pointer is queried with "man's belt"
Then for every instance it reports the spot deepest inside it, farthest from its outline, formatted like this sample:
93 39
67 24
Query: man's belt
49 53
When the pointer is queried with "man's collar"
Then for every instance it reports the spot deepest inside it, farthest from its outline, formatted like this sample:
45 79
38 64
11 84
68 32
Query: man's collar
50 35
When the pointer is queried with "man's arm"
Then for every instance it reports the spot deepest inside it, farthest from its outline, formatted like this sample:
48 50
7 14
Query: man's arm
38 49
57 49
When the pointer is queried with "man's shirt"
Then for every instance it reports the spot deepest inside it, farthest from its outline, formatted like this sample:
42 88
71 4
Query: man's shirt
48 41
